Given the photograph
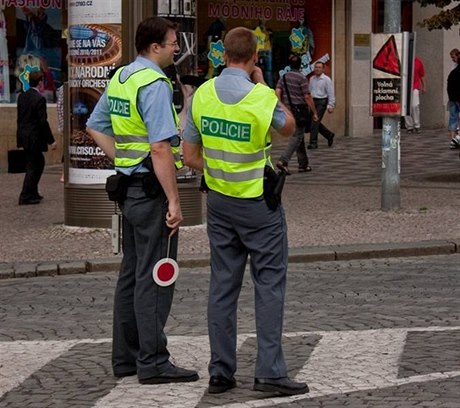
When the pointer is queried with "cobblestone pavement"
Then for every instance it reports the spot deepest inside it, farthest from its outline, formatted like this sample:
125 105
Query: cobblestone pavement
337 203
372 333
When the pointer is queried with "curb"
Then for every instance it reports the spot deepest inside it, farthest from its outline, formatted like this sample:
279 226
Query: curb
296 255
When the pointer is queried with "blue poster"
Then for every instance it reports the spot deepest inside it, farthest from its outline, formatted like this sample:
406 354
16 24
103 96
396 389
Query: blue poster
39 32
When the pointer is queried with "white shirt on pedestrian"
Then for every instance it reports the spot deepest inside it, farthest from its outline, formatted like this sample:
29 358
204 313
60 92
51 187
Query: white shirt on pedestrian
321 87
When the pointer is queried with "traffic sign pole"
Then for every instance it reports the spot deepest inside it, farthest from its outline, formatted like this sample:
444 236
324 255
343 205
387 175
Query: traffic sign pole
391 128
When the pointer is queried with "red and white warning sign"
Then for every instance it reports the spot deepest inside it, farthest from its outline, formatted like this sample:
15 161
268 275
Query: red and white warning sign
165 272
386 74
387 58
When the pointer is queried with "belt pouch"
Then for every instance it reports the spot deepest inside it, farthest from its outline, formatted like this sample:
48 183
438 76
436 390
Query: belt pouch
116 187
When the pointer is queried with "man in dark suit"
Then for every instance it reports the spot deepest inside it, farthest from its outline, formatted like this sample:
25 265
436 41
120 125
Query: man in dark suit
34 135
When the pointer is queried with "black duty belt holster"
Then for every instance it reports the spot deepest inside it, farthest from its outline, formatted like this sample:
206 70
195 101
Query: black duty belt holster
117 185
273 187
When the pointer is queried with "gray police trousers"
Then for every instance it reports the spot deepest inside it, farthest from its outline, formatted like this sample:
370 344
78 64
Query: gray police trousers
238 228
141 306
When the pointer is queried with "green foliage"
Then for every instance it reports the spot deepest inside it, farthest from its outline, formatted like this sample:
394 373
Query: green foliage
445 19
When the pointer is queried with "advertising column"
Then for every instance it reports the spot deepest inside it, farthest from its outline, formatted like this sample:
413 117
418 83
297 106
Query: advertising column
94 50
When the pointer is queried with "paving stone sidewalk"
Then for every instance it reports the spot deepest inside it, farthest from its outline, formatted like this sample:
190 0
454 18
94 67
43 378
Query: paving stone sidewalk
332 212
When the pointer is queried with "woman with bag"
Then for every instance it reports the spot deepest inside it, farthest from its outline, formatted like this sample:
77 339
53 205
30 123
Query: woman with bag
292 89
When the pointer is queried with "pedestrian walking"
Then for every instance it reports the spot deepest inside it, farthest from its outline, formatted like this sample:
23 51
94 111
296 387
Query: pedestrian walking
33 135
412 121
322 91
292 89
227 137
453 92
137 108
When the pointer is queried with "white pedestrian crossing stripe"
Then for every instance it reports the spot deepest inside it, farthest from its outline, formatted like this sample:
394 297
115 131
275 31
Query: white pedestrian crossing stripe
341 362
19 359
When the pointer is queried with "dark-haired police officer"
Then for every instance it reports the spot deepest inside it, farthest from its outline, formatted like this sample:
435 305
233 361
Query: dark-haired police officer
134 123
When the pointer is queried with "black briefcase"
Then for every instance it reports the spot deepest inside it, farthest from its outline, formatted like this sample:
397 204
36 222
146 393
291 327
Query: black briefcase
16 161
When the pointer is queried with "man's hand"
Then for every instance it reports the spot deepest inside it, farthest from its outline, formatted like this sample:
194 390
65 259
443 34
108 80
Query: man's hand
53 146
174 217
257 76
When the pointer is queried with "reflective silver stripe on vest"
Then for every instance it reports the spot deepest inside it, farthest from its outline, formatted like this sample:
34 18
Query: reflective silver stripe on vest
130 154
248 175
131 139
234 157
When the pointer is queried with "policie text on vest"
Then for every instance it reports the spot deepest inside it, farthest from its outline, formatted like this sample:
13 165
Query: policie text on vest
226 129
119 107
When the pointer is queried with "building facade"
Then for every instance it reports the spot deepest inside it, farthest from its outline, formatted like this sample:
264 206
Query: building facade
34 33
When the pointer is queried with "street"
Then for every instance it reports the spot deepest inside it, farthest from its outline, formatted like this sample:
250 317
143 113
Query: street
364 333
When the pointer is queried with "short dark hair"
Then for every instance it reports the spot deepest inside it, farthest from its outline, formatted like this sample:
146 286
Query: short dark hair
320 63
152 30
34 78
455 53
295 62
240 44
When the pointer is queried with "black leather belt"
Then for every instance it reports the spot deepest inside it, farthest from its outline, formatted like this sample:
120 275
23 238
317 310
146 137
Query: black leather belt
136 179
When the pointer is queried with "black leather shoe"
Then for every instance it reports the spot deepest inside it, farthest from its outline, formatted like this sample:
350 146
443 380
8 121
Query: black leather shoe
172 375
304 169
218 384
282 385
330 141
312 146
29 202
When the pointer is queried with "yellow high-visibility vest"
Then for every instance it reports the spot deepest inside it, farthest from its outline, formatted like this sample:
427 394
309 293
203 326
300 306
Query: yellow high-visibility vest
236 139
131 137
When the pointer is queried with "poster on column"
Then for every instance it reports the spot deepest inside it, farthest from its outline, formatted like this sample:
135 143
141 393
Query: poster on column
94 45
4 60
38 45
386 52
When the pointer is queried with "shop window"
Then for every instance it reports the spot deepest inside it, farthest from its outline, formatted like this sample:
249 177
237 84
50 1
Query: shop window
282 27
32 39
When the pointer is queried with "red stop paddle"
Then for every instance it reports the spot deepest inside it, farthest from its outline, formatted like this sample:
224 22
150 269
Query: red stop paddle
166 270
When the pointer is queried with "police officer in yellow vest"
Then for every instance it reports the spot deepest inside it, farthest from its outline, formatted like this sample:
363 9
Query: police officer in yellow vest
227 137
135 124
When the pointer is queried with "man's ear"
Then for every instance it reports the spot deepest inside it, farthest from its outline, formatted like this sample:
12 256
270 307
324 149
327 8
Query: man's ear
153 48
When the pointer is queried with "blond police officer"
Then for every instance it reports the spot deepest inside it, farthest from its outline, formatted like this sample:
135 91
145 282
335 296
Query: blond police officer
227 136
